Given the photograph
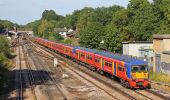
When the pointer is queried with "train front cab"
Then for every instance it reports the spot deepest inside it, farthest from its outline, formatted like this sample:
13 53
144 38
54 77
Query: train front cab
139 76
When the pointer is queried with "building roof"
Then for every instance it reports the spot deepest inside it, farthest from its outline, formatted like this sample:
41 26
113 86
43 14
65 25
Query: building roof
72 33
161 36
4 32
138 42
60 30
166 52
24 29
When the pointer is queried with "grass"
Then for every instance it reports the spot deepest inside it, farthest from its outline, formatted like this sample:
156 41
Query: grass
160 77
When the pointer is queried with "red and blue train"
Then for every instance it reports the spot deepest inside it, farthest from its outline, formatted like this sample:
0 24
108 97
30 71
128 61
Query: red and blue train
133 73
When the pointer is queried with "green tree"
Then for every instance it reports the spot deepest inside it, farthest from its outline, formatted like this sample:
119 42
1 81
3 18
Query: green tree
34 25
84 18
45 28
55 36
7 24
1 27
112 41
121 20
92 35
162 12
103 15
51 15
74 18
4 45
142 20
4 53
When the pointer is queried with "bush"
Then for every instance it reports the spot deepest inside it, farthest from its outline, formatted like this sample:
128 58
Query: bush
4 61
55 37
3 68
160 77
4 46
68 41
71 41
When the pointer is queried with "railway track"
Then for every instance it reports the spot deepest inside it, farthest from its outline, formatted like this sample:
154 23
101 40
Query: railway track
39 76
113 87
123 91
24 78
107 92
30 74
19 81
142 93
40 66
137 92
80 75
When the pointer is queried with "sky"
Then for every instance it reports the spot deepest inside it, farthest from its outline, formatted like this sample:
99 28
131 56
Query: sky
25 11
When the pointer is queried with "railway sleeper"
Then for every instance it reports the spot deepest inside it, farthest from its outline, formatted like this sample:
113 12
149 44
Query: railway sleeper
125 83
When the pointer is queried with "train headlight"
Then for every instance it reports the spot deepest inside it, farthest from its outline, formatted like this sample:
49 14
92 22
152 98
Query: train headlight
133 76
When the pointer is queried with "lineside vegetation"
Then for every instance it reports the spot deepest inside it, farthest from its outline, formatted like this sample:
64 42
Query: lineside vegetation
4 59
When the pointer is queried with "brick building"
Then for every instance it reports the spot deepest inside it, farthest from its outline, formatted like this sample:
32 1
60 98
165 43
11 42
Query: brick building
161 59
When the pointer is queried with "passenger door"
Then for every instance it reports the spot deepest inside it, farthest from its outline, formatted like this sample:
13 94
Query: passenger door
121 71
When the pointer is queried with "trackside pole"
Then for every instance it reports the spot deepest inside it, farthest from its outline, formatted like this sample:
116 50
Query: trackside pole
55 62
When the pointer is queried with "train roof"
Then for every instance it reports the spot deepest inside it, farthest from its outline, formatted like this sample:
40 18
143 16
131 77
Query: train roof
57 42
126 58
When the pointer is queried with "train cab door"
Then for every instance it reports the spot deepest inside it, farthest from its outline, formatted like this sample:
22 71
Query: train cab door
85 58
121 71
102 63
78 55
64 50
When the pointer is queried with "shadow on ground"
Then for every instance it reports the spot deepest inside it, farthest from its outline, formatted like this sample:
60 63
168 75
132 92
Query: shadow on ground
38 77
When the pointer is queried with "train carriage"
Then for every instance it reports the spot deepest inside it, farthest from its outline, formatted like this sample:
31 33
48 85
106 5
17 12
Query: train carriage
132 72
60 48
117 65
84 55
67 50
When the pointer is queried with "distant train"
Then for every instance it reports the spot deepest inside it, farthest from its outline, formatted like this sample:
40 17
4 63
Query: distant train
133 73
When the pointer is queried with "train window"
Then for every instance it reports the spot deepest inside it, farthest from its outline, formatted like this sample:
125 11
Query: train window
97 60
110 64
143 68
135 69
138 68
120 67
77 53
89 57
82 55
107 63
